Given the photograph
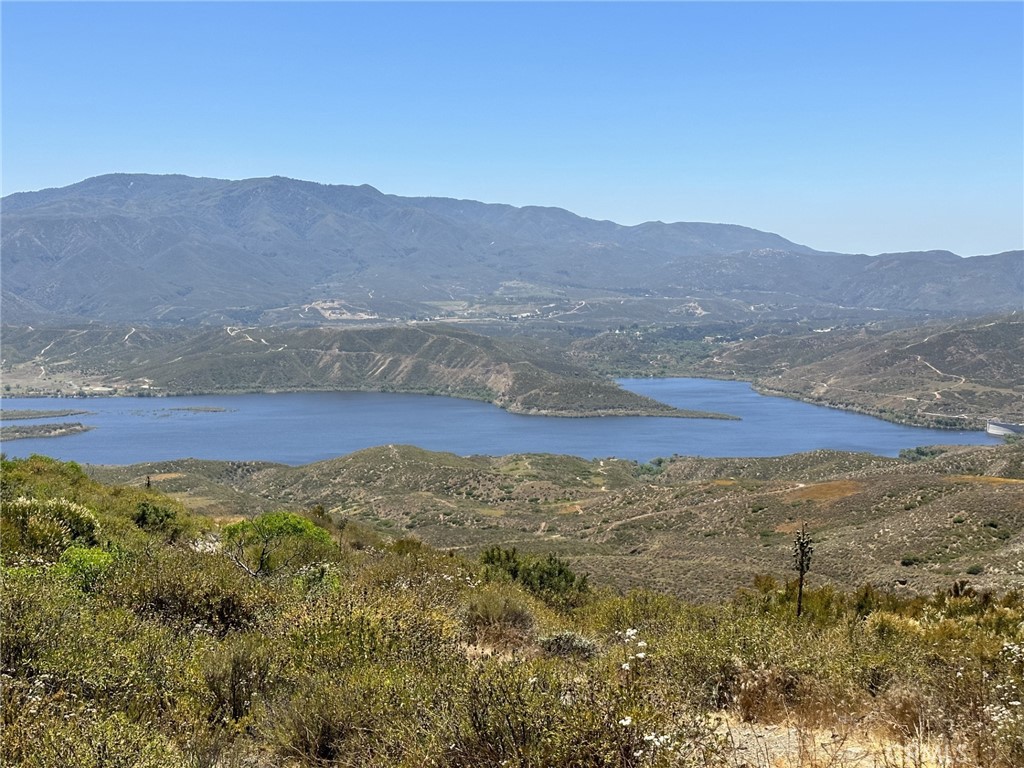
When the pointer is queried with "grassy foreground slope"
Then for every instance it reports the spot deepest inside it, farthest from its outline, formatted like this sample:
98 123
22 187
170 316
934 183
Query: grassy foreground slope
692 526
135 634
517 376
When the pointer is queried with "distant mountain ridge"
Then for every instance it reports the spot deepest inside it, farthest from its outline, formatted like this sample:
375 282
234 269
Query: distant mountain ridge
150 249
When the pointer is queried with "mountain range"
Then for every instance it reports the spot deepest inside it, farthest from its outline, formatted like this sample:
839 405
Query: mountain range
136 248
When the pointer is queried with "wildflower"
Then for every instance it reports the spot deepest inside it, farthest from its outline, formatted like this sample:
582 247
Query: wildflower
640 656
626 721
641 644
625 666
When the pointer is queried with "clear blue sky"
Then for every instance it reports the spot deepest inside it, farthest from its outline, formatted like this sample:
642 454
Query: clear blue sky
857 127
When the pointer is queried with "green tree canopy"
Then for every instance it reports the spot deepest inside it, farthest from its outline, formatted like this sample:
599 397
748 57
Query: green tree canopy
273 542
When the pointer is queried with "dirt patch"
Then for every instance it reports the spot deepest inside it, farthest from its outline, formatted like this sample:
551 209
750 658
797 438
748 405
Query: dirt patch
756 745
830 491
167 476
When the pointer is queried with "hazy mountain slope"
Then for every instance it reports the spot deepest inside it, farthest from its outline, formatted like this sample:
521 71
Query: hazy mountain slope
519 377
140 248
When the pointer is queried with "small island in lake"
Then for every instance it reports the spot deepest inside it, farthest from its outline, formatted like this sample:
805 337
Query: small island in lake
25 431
203 409
19 414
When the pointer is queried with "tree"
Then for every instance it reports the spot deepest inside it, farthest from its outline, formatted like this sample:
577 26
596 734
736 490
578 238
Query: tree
802 549
274 541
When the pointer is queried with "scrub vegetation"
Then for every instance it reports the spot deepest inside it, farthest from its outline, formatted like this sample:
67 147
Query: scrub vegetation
136 633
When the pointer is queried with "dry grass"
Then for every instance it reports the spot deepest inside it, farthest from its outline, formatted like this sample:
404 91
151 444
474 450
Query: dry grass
990 480
830 491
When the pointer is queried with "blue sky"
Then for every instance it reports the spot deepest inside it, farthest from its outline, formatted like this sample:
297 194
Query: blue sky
856 127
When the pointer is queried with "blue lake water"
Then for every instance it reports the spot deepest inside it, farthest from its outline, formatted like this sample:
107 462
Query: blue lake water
297 428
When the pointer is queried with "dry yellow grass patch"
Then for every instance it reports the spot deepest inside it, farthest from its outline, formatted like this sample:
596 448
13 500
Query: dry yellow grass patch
166 476
830 491
228 519
789 527
490 511
985 479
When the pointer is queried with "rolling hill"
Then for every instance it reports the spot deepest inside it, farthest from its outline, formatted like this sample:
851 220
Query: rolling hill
693 526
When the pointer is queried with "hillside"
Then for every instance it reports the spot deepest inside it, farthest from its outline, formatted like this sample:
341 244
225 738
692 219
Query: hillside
140 249
945 375
518 376
685 525
137 634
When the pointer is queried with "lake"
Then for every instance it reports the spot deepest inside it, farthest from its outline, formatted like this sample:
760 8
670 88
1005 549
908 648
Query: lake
298 428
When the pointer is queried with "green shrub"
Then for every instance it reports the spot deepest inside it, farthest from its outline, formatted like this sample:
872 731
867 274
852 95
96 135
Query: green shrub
237 674
549 578
189 590
85 565
41 529
526 713
151 516
274 542
366 715
43 732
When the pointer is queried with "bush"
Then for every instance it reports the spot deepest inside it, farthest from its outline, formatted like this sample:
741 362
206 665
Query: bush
568 645
549 578
151 516
85 565
41 529
189 590
498 619
274 542
237 674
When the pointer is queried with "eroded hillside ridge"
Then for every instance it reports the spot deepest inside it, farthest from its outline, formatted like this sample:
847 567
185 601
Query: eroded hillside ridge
953 376
138 248
520 376
939 374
